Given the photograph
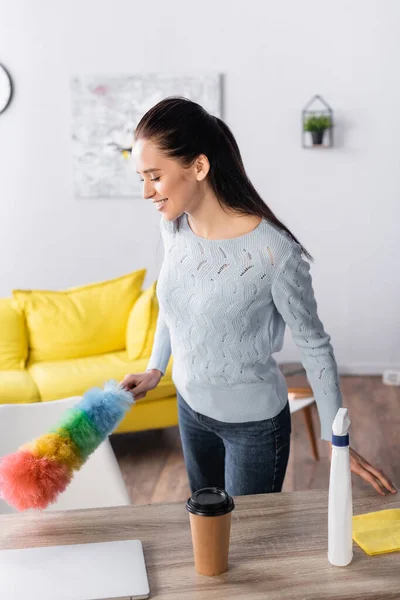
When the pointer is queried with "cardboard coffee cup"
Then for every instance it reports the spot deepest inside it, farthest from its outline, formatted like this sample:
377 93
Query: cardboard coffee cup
210 522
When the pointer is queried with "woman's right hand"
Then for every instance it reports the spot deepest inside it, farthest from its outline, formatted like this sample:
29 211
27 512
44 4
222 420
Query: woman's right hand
140 383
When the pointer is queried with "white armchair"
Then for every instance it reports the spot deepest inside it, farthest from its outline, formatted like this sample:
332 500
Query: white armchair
98 483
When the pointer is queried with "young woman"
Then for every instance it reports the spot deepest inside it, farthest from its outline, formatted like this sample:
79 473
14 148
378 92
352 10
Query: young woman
232 277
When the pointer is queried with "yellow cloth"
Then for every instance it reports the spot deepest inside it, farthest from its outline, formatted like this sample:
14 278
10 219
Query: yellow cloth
378 532
142 325
83 321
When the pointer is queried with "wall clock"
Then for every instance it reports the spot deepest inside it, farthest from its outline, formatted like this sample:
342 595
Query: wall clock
5 89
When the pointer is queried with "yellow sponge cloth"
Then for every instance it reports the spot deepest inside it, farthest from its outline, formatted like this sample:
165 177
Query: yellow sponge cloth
378 532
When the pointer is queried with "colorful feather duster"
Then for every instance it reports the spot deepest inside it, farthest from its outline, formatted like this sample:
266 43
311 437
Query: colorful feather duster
39 471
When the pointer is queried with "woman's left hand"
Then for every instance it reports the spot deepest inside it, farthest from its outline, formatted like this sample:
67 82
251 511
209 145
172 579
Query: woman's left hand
366 471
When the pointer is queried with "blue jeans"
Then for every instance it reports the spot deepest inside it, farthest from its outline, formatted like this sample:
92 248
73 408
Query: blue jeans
243 458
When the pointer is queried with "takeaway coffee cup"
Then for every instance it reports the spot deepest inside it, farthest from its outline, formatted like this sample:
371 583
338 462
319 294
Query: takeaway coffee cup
210 523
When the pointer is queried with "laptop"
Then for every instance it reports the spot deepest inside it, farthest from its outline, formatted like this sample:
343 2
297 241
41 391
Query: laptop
95 571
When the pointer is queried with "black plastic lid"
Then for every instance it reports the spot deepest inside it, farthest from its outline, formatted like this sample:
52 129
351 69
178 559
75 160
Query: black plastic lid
210 502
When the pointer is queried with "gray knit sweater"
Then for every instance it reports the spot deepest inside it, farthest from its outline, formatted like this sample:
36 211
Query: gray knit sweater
224 305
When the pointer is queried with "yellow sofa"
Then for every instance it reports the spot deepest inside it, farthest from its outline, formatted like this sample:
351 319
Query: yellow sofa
55 345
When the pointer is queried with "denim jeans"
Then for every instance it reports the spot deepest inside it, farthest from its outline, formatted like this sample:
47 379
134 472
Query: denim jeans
243 458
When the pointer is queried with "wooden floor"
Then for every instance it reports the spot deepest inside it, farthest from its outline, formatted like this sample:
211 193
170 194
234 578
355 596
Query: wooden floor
153 468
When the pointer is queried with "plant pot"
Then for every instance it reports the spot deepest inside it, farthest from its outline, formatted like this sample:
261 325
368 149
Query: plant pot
318 137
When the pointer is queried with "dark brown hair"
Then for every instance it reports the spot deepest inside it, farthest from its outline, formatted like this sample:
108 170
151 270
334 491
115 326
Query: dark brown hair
183 130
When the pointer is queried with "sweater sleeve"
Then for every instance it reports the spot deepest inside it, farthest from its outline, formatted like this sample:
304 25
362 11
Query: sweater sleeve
161 352
293 296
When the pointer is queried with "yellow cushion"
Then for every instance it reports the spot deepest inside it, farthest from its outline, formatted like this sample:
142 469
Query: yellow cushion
142 325
156 414
13 336
81 321
61 379
17 387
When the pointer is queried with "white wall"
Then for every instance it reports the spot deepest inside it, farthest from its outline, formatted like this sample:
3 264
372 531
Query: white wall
343 204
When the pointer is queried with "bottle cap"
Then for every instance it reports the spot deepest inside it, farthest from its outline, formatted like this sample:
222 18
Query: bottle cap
340 428
341 423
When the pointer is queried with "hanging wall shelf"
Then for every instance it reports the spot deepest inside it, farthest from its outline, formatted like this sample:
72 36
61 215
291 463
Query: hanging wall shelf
317 124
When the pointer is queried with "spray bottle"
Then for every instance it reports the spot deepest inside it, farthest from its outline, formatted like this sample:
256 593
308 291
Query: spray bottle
340 510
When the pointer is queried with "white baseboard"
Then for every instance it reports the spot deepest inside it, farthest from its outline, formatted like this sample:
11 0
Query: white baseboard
366 369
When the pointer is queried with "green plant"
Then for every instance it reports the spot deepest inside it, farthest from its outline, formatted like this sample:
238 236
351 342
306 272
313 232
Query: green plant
317 123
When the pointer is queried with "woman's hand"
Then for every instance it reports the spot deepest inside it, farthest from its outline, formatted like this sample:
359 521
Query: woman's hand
374 476
140 383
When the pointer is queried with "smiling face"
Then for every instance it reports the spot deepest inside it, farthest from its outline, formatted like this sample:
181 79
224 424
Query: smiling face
173 188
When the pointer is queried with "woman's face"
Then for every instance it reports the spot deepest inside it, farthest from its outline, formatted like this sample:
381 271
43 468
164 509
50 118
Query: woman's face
172 188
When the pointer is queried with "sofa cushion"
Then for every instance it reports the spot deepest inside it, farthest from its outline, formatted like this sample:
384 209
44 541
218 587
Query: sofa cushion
13 336
62 379
82 321
142 323
17 387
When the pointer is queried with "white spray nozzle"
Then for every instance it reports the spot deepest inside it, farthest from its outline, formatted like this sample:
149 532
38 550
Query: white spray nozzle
341 423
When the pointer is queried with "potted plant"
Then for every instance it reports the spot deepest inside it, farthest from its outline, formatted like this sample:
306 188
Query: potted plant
317 125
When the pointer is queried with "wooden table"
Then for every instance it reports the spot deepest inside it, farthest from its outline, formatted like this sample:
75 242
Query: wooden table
278 548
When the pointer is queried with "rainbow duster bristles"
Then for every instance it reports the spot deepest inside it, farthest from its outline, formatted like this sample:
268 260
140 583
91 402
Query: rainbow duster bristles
35 475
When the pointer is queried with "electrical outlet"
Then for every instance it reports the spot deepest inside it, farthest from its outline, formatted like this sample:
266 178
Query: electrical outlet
391 377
